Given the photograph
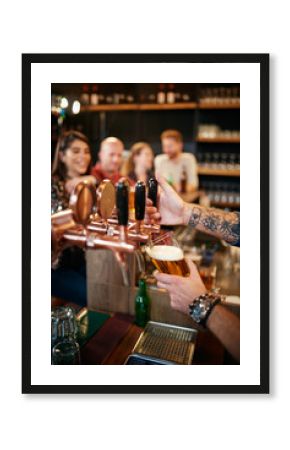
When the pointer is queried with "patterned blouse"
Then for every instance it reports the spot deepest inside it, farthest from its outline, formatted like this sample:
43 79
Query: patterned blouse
72 257
59 196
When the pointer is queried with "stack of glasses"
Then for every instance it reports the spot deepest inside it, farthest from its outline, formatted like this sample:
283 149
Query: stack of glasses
65 349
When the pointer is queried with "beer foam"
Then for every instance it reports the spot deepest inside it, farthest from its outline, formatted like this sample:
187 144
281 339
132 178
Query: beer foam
165 253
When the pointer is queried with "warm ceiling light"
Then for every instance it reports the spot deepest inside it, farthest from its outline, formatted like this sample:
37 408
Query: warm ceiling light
76 107
64 103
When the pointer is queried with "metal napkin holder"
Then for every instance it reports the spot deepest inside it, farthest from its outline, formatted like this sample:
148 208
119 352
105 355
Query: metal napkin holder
162 343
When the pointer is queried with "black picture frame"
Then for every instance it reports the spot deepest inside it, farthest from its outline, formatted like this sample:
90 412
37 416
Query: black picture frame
263 61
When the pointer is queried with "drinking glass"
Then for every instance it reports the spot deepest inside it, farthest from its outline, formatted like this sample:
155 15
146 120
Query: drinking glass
66 352
63 324
208 276
167 255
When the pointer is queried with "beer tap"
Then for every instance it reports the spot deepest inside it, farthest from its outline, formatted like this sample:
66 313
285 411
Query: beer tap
122 204
103 221
71 227
89 222
152 190
137 230
152 195
139 204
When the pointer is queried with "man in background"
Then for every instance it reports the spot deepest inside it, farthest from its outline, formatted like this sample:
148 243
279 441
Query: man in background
110 160
175 165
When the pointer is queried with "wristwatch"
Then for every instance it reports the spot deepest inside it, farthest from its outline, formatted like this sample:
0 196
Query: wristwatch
201 307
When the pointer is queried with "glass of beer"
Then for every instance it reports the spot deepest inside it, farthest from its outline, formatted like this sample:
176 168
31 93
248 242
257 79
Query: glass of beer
167 256
208 276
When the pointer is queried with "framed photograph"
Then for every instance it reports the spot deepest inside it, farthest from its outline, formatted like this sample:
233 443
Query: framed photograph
149 161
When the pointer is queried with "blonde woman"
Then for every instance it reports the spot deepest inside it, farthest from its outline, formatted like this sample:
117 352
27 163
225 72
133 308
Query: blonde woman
140 164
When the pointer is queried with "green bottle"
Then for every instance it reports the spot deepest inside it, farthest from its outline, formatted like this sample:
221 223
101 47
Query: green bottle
142 305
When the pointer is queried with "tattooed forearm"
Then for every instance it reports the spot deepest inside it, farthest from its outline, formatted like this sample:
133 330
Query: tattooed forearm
195 216
224 225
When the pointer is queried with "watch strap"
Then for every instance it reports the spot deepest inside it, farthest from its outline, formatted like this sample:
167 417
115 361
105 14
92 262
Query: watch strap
202 306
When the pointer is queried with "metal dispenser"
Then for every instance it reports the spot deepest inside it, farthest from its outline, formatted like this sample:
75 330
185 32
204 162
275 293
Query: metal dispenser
136 230
99 219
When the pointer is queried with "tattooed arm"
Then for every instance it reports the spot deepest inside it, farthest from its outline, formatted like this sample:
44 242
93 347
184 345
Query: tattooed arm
221 224
172 210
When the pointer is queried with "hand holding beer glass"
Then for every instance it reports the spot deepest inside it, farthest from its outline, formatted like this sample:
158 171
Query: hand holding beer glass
167 256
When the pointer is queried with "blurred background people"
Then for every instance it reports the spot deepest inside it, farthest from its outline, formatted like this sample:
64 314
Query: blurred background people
72 164
140 164
175 165
110 160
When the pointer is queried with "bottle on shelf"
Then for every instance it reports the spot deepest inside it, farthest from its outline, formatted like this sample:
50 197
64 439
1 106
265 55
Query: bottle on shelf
85 96
142 98
152 98
217 192
102 98
161 96
109 98
185 97
224 193
183 181
231 195
170 94
94 95
130 97
237 194
122 95
142 305
178 97
116 96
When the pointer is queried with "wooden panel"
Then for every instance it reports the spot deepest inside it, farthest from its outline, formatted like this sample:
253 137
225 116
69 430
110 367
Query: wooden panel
105 284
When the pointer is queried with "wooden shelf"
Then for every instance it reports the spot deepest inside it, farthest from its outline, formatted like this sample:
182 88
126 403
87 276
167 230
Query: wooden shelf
167 106
100 108
139 107
208 105
225 205
219 172
157 107
221 140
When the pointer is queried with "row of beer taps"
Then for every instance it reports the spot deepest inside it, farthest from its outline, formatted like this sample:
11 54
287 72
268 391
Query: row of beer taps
99 218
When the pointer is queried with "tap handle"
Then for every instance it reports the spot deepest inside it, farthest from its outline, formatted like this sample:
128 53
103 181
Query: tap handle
122 202
140 200
152 190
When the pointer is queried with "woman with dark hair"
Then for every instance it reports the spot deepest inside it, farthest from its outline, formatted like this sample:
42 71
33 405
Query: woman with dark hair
139 165
72 164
